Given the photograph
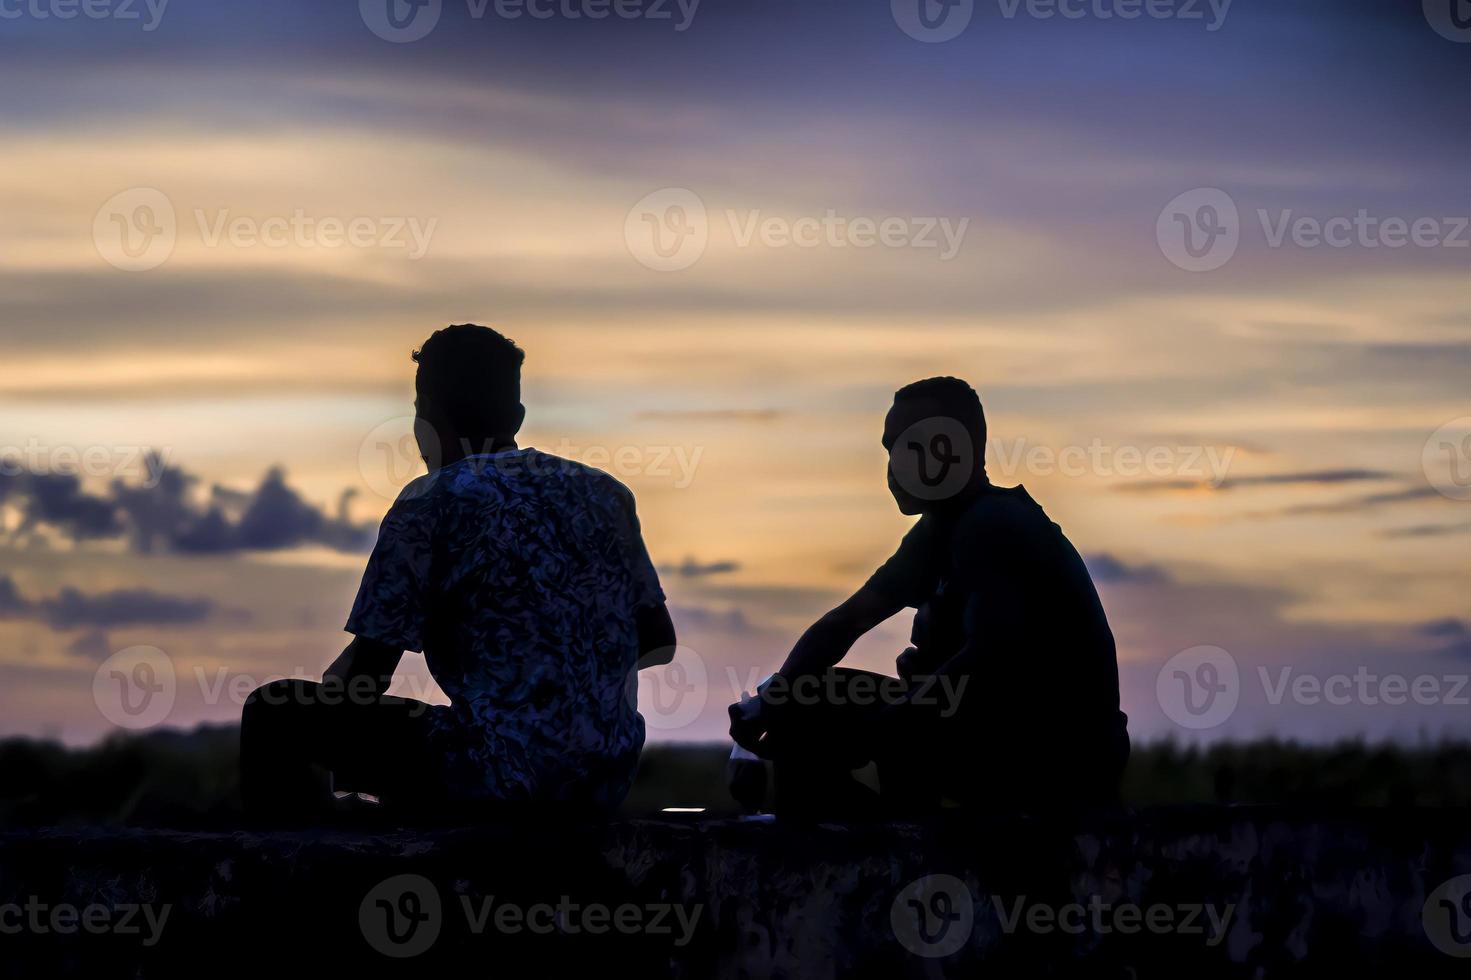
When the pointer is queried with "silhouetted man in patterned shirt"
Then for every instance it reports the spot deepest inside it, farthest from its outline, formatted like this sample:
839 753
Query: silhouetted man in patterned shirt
523 579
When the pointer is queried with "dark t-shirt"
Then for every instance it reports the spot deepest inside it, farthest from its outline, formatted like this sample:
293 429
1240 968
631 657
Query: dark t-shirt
1004 599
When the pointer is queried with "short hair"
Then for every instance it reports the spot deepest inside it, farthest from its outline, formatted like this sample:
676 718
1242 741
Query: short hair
472 376
957 398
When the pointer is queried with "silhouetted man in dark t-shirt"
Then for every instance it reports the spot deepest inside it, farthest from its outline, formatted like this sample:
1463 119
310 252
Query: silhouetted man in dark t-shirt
1009 693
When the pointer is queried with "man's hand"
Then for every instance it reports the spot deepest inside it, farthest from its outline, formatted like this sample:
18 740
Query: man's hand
908 663
750 722
914 662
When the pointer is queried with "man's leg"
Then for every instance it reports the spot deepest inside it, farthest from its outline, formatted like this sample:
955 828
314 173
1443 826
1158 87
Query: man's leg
831 725
291 730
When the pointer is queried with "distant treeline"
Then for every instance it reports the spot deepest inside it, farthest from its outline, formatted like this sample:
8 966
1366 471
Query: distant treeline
188 779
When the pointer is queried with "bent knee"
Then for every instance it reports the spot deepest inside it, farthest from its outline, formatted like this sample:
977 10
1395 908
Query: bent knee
280 693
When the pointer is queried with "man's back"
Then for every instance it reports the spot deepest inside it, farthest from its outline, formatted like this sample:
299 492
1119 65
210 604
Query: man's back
1033 612
518 574
1001 590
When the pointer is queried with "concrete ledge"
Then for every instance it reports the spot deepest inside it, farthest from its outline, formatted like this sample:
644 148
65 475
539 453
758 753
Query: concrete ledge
1294 893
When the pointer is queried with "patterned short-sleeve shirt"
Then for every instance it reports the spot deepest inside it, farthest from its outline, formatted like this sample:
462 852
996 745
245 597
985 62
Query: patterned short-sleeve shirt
518 574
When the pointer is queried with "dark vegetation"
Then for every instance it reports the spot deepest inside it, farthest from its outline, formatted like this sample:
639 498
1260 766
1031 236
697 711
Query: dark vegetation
187 779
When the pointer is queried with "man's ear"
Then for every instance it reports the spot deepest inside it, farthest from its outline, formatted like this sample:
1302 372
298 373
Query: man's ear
519 417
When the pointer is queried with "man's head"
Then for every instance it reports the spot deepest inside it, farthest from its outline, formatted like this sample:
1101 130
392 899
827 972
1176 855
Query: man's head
935 435
468 389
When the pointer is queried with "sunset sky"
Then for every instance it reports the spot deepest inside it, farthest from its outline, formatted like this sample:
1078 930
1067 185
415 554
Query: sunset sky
1271 456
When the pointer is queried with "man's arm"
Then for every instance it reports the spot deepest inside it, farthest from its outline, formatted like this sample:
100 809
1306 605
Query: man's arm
827 641
822 646
896 585
893 587
366 666
656 640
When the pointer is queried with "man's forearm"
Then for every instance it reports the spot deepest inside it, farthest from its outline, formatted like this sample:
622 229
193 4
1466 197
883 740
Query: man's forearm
341 667
365 669
824 645
656 639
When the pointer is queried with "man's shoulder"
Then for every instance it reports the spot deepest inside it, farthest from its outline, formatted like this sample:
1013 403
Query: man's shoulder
1002 511
557 478
527 468
584 476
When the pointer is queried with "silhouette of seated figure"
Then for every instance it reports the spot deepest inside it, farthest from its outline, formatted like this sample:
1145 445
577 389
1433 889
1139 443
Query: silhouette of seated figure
1008 696
523 579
